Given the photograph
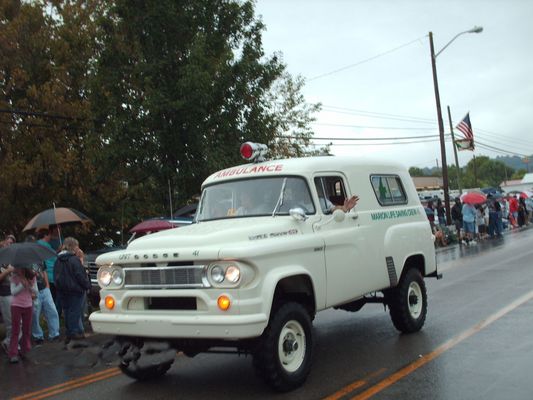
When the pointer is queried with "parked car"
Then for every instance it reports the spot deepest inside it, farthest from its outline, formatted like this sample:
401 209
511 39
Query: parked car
143 228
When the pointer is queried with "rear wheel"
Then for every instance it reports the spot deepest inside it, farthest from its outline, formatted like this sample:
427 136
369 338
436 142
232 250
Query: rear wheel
283 356
408 302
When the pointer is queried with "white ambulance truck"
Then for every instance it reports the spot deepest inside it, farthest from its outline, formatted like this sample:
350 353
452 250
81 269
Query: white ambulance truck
267 251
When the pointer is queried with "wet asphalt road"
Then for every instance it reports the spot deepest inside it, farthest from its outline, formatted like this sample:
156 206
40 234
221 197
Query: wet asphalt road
476 344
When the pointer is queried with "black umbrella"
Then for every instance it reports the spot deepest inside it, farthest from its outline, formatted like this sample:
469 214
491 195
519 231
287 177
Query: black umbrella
20 255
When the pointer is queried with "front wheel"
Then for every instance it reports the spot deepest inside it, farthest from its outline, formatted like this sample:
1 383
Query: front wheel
408 302
144 373
146 361
283 355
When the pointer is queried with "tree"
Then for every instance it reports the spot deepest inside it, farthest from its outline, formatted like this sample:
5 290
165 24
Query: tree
484 172
519 174
43 70
415 171
108 104
183 83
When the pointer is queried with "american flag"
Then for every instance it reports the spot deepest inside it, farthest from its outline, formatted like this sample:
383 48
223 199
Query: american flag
466 127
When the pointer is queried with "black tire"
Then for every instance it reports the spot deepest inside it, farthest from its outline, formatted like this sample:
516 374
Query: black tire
284 353
408 302
145 361
136 372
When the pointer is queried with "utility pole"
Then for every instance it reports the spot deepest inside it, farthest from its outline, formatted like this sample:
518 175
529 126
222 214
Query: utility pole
475 29
475 171
455 153
441 132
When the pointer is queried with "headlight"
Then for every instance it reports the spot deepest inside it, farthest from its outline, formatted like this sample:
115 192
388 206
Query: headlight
217 274
104 277
111 277
225 274
233 273
117 277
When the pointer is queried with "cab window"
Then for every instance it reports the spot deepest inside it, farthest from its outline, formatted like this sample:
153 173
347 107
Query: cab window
388 189
331 192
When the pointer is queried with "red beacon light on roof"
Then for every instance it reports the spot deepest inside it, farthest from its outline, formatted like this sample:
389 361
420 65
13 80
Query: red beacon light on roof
254 152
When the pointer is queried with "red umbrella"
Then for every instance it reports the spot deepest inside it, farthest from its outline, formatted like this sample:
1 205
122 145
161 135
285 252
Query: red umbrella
473 198
153 225
526 194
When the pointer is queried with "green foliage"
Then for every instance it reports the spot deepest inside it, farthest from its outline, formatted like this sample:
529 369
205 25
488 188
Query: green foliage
415 171
127 98
518 174
484 172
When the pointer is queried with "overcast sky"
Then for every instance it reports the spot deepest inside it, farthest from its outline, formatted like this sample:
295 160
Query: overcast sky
387 91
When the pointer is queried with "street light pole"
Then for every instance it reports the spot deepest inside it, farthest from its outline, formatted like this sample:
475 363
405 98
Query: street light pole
441 132
476 29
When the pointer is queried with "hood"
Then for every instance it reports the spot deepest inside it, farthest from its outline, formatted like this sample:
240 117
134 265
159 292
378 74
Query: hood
206 240
220 232
64 255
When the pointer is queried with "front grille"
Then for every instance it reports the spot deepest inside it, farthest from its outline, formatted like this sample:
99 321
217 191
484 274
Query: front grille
93 270
191 276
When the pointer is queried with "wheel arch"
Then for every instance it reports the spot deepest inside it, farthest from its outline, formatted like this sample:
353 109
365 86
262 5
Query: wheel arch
416 261
298 288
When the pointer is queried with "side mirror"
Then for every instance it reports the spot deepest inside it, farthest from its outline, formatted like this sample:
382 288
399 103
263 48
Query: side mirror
339 215
298 214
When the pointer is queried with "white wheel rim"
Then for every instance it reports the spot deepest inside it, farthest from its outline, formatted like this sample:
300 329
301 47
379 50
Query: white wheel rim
291 346
415 299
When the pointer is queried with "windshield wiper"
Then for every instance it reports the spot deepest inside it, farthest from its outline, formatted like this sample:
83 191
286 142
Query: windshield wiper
279 203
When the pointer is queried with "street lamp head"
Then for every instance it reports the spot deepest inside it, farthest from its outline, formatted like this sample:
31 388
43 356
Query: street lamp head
476 29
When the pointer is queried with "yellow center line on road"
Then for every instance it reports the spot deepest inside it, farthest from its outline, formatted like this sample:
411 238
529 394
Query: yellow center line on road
72 384
402 373
425 358
355 385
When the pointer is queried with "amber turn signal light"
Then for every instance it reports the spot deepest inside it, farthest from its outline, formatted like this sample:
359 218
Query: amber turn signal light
109 302
224 302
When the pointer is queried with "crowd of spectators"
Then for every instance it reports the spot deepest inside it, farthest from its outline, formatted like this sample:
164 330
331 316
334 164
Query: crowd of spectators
475 222
43 292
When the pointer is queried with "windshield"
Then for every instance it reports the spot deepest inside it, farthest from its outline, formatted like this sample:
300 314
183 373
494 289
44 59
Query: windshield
255 197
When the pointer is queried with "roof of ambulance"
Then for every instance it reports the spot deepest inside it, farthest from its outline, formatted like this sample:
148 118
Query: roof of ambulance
305 165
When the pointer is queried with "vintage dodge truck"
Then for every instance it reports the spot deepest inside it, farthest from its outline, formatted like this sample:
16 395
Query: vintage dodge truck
271 245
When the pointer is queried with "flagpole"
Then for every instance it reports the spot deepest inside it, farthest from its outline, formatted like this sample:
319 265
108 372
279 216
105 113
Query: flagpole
455 153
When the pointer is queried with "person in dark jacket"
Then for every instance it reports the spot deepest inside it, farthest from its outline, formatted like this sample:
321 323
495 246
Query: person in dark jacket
457 217
72 283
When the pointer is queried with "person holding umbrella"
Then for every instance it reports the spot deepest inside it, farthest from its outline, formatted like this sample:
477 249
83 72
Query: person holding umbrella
5 293
44 237
469 222
22 285
45 303
24 290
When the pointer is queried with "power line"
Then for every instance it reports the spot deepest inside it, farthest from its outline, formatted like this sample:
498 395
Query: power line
370 127
344 110
364 61
35 114
489 136
371 138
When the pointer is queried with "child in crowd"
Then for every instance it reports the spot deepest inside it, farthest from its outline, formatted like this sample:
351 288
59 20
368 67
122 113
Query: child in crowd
24 290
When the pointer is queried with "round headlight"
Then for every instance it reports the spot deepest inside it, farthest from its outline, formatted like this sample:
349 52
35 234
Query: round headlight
104 277
117 277
233 274
217 274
